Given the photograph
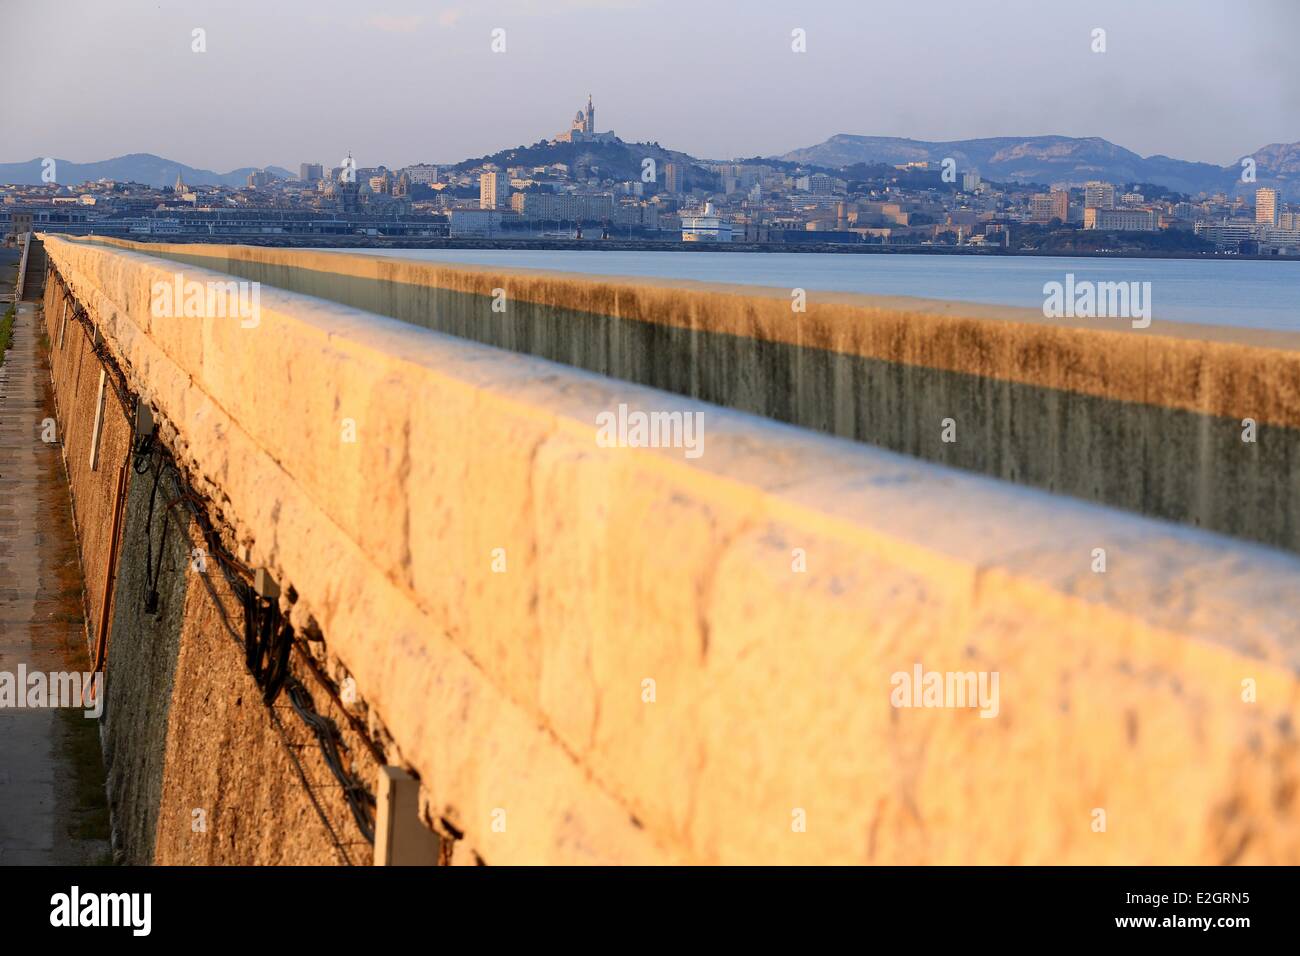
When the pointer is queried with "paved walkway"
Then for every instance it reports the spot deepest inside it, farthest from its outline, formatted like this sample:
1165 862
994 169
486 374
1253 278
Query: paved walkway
52 805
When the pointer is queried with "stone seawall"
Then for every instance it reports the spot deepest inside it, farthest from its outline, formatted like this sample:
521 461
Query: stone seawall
1150 420
617 655
198 771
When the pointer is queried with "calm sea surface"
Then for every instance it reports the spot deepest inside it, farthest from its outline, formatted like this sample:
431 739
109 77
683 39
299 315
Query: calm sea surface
1219 292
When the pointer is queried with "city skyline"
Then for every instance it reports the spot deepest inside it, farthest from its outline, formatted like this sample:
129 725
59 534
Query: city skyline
751 94
795 155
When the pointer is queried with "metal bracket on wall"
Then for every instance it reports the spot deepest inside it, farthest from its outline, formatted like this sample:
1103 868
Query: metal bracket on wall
401 839
144 423
99 419
265 585
110 572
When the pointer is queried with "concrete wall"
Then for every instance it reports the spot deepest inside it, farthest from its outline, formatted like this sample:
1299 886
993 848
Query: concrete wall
197 770
770 589
1146 420
94 461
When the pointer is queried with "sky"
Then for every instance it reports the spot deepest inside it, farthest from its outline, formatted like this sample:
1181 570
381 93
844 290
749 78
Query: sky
398 81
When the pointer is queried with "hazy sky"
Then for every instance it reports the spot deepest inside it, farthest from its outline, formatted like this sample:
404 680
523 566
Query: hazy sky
399 81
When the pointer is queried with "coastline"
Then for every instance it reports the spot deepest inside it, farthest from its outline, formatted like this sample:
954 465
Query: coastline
624 245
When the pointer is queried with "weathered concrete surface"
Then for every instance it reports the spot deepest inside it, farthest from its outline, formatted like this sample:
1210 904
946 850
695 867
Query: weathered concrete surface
52 805
224 755
197 770
522 692
129 745
1146 420
95 461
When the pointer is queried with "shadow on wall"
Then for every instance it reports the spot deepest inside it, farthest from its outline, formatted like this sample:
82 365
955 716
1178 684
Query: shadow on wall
1163 462
197 770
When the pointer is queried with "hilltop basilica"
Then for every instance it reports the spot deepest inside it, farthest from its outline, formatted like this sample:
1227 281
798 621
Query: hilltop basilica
583 129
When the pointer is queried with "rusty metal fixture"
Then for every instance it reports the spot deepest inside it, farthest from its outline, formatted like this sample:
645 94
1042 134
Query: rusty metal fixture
110 573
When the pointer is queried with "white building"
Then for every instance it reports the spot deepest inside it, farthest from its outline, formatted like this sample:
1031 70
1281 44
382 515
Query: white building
1226 232
1098 195
474 223
1272 239
819 184
1266 206
493 193
1123 220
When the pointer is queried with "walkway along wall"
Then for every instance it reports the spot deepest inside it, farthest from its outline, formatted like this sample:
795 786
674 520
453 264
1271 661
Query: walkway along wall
594 654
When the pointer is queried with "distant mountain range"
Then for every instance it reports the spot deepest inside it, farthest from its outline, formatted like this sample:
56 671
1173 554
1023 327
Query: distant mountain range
1050 159
143 168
